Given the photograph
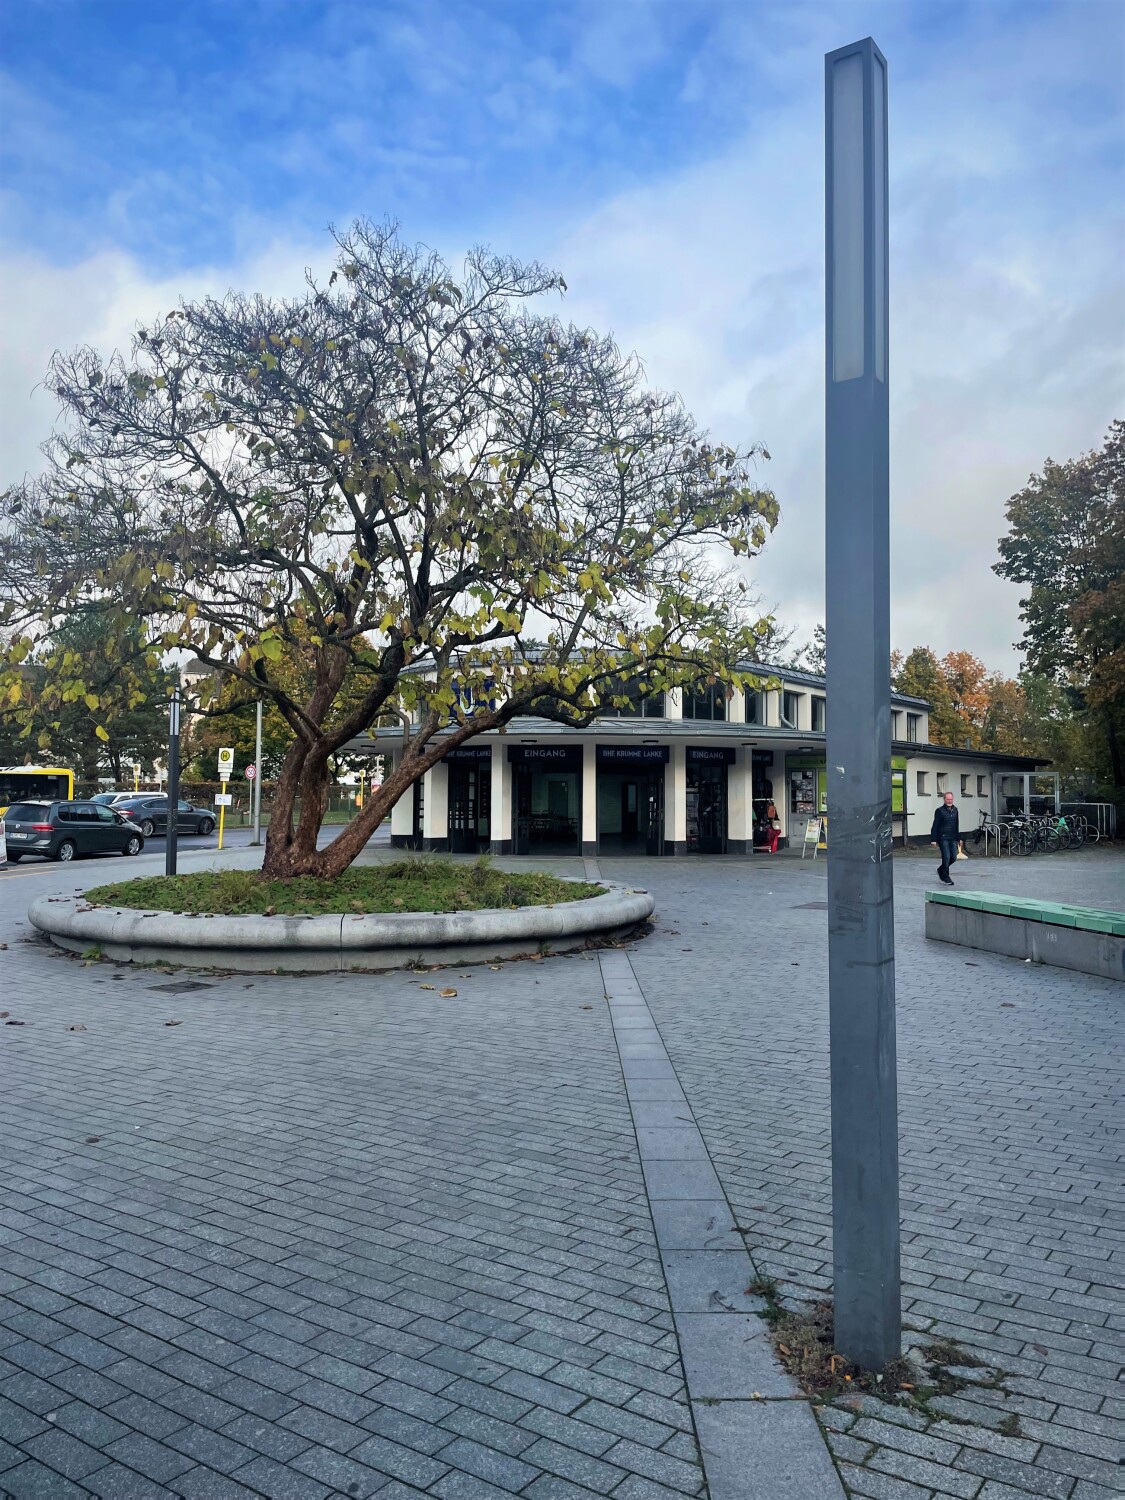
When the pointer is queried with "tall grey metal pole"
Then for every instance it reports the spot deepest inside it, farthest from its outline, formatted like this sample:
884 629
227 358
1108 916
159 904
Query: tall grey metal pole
861 973
170 840
257 789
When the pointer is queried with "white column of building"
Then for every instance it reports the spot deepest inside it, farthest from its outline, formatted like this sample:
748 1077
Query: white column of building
589 799
740 802
501 813
402 813
435 807
675 797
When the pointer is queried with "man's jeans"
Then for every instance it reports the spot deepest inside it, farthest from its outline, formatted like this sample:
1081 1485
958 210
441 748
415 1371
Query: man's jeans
948 849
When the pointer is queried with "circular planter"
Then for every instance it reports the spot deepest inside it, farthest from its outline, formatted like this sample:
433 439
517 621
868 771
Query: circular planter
391 940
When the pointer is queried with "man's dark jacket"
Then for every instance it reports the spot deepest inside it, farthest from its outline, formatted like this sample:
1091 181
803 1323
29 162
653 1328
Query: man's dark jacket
945 824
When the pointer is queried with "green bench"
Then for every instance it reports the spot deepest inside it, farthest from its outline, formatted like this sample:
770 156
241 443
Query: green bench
1073 937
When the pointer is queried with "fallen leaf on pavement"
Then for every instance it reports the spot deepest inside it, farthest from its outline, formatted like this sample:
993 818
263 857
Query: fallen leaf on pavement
76 1028
15 1023
448 994
92 1140
585 1007
427 986
173 1023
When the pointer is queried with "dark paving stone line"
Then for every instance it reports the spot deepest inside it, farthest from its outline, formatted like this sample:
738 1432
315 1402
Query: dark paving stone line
748 1414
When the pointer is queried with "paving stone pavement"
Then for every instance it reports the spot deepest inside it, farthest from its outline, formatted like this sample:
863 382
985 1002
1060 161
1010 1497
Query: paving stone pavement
1010 1088
342 1236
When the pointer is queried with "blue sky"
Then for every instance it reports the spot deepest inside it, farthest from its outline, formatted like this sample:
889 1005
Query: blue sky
664 155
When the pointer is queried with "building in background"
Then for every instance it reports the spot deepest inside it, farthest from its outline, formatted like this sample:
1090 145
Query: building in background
682 774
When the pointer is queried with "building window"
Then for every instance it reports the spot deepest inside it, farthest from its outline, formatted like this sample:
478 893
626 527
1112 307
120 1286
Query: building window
708 703
923 783
965 789
942 783
912 722
896 723
641 705
982 786
818 714
789 709
755 707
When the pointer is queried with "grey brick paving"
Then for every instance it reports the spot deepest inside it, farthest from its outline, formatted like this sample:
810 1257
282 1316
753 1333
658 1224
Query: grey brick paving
1011 1154
331 1233
336 1235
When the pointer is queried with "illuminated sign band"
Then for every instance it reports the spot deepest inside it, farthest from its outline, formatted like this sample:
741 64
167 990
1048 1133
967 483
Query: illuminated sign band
632 755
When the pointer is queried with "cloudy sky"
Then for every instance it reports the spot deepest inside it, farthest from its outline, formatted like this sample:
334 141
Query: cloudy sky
666 156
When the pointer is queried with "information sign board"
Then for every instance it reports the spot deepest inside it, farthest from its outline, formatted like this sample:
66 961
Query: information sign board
223 799
812 836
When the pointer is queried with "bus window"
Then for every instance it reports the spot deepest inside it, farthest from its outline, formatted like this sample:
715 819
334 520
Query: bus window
35 783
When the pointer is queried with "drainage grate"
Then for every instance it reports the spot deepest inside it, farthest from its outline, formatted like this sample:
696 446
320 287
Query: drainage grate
180 987
812 906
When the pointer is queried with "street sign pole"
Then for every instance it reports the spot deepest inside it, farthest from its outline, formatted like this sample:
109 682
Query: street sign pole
861 974
226 766
256 792
170 840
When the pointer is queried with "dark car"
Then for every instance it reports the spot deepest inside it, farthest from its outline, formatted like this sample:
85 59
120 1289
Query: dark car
151 815
63 830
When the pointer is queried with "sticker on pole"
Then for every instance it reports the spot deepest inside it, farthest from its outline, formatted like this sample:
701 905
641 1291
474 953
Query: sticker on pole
226 762
223 799
251 772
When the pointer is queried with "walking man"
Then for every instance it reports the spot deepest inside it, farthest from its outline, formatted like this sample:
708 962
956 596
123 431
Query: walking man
945 834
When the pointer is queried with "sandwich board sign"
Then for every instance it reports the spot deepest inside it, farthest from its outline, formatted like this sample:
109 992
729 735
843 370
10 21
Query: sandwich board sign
812 836
226 763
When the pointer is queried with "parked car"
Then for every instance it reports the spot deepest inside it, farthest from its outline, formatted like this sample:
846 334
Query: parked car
63 830
150 814
111 799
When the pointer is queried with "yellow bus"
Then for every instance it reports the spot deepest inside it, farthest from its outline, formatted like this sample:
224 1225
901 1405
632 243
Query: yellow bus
34 784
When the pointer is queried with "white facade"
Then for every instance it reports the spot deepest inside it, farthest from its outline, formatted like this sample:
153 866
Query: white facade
684 782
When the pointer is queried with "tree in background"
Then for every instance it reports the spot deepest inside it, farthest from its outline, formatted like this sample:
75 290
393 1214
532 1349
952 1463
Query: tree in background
813 656
401 479
89 697
1066 544
920 675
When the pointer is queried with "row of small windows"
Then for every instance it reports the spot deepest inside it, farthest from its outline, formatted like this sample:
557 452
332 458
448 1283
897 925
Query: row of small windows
710 705
942 779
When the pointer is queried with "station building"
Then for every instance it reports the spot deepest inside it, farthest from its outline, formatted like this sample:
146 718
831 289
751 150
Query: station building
678 774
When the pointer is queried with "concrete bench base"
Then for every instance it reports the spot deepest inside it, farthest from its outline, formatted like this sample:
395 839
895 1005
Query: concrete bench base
392 940
1099 953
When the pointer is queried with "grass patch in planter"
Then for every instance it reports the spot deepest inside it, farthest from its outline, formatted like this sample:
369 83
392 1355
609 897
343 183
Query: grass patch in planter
408 885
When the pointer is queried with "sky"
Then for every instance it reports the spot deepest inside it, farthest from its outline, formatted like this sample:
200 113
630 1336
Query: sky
666 156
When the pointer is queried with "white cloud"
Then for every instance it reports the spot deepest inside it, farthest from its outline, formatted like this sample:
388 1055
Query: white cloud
1008 332
1008 310
100 302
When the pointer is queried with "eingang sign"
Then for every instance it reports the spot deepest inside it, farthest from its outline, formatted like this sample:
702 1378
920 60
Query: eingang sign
632 755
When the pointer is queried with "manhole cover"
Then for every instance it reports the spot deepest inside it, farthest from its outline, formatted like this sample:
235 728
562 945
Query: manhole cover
812 906
181 987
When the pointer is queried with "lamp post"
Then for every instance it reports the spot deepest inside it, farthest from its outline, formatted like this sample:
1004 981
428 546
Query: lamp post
861 976
256 790
173 782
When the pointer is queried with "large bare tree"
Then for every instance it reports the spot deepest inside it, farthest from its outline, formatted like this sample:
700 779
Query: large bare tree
449 507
